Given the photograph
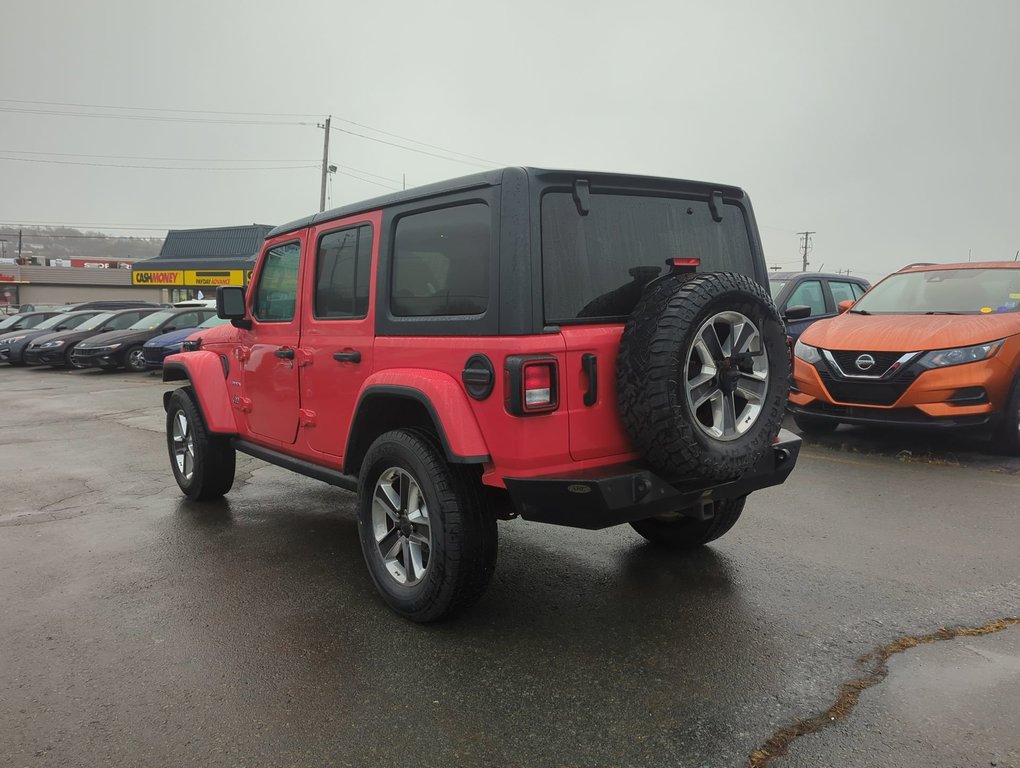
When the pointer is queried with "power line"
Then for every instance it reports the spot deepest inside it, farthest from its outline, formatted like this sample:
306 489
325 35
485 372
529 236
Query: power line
82 237
412 149
157 167
159 109
369 181
416 141
188 160
71 225
148 118
147 157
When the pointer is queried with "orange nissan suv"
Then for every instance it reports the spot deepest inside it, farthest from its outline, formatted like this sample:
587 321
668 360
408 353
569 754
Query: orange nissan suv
935 345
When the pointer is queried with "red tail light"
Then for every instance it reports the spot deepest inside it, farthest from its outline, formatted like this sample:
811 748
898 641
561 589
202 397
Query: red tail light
532 385
538 386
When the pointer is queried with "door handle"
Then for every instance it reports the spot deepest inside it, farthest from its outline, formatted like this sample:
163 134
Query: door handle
590 364
285 353
348 356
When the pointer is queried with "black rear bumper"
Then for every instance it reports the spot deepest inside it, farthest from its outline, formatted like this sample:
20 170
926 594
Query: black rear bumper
622 493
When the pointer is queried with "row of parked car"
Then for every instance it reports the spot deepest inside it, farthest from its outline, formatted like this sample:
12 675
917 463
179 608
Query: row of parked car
135 336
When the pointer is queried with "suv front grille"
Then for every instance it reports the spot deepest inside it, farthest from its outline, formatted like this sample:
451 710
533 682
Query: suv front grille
864 391
847 362
153 354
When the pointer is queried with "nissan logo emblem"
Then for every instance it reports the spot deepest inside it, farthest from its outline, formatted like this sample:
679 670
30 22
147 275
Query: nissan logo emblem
865 363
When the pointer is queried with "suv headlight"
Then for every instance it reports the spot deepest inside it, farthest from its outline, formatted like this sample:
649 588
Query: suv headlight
171 348
52 344
941 358
806 352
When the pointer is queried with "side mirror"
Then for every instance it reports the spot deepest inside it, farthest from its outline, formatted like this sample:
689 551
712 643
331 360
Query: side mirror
230 305
844 305
797 312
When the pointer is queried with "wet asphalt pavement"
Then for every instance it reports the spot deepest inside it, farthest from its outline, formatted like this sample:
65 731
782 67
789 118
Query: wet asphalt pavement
138 629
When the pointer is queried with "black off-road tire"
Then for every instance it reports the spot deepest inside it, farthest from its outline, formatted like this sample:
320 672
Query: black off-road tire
463 543
812 426
679 532
209 472
650 375
1008 434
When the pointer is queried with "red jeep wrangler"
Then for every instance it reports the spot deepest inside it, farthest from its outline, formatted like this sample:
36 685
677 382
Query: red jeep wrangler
583 349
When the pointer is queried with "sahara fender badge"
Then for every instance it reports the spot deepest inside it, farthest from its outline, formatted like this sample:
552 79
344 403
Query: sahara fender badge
578 488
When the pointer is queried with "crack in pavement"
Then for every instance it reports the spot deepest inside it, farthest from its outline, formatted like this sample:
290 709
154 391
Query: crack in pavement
876 669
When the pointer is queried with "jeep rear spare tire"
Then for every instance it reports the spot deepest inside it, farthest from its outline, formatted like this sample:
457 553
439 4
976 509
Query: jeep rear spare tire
703 375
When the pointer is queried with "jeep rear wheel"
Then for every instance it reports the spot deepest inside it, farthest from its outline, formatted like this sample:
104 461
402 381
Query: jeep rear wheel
429 542
680 532
203 464
703 375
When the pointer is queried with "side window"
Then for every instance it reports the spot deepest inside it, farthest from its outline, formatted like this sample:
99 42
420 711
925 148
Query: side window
858 290
187 320
441 262
276 293
342 269
810 293
842 291
120 322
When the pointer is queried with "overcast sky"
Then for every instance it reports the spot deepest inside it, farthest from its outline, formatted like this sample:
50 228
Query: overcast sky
891 128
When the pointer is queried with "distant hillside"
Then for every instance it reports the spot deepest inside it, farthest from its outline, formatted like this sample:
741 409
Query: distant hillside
44 243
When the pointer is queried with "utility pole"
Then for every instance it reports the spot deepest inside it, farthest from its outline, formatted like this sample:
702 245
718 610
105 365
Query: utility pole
19 248
806 246
325 162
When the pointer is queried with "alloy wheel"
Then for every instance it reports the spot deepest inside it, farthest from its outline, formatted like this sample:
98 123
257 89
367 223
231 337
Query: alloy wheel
726 375
184 445
401 526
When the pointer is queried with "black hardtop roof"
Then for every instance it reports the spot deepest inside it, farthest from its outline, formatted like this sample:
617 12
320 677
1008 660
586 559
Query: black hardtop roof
488 179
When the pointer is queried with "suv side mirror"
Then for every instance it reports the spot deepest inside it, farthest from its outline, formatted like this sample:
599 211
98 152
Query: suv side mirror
797 312
844 305
230 305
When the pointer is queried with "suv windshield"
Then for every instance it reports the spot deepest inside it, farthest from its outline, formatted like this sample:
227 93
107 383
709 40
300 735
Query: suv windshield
95 322
596 265
151 321
950 291
775 286
212 322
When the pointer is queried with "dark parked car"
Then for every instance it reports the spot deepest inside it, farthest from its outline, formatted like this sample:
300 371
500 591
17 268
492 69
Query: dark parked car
14 344
55 348
23 320
170 343
124 348
110 305
821 293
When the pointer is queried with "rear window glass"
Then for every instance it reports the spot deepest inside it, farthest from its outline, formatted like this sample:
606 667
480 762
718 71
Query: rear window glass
596 266
441 262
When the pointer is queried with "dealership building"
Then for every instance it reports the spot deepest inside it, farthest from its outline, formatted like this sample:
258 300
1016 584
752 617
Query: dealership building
191 261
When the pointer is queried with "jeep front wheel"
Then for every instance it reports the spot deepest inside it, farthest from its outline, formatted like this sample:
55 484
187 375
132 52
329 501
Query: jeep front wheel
203 464
429 542
677 531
